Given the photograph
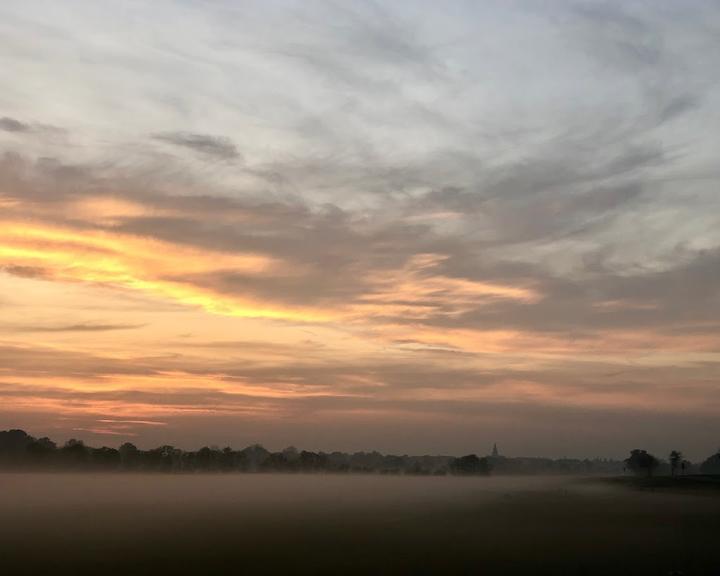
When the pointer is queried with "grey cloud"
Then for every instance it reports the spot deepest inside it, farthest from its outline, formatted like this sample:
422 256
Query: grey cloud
678 106
644 45
365 42
9 124
625 39
683 299
548 198
209 145
12 125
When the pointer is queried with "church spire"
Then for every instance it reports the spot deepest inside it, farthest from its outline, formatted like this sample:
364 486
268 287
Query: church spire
495 452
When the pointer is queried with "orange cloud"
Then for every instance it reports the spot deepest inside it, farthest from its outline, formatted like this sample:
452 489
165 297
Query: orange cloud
145 264
419 290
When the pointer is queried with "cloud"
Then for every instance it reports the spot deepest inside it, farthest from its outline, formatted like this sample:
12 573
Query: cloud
76 328
217 146
26 271
290 259
139 422
12 125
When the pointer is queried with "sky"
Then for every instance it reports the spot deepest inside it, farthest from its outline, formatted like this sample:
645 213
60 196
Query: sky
416 227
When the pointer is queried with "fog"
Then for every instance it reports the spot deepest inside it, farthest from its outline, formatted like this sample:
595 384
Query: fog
132 523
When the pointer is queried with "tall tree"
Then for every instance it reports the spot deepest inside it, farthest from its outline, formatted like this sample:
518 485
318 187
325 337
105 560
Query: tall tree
675 461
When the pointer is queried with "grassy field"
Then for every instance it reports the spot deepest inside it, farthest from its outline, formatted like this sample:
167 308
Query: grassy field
304 524
692 484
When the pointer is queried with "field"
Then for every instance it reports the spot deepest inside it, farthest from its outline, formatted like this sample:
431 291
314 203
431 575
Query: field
323 524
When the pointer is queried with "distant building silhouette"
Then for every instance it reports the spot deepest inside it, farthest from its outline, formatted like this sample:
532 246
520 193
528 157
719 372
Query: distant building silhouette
495 452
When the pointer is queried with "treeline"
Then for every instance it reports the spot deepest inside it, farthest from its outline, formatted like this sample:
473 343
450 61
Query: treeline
550 466
642 463
20 451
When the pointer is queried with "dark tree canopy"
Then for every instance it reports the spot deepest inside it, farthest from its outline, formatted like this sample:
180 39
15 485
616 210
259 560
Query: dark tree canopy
642 463
470 464
712 464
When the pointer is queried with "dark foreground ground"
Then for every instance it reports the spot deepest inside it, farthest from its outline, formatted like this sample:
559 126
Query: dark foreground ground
277 524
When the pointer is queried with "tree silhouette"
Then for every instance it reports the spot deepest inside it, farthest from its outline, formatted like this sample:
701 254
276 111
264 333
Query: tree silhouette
676 460
129 455
712 464
470 464
642 463
42 447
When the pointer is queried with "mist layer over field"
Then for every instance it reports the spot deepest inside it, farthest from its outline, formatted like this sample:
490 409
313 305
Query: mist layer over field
309 524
